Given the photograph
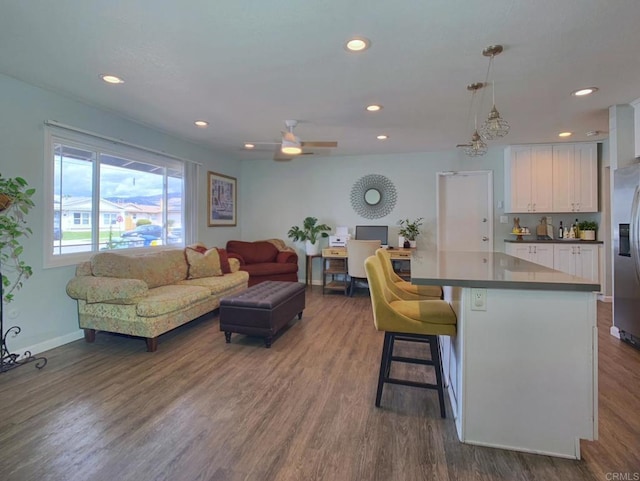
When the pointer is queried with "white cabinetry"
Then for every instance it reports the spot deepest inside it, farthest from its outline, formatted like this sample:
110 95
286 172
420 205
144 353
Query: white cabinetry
551 178
539 253
575 178
578 260
528 170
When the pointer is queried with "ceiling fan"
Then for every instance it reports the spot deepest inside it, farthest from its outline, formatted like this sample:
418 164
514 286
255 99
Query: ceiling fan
291 146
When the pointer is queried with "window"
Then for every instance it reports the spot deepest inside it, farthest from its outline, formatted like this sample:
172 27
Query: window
103 194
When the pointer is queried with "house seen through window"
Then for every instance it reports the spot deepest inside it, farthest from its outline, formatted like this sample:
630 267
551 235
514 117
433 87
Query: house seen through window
113 197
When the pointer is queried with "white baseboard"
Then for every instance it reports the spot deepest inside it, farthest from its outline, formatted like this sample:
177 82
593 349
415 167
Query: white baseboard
603 298
51 343
614 331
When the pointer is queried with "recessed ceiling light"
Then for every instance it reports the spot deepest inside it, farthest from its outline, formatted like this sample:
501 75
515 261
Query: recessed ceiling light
201 123
382 137
374 108
585 91
249 146
111 79
357 44
564 134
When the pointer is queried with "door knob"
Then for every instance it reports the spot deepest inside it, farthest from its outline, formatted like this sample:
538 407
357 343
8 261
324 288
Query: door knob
484 220
485 238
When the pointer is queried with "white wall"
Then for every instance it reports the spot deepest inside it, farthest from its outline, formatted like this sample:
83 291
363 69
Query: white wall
42 309
282 194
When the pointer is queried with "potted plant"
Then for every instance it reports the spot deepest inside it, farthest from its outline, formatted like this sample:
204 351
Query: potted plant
310 232
15 203
409 230
588 229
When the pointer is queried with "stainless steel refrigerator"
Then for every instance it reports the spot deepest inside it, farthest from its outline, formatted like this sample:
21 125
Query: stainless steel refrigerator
626 262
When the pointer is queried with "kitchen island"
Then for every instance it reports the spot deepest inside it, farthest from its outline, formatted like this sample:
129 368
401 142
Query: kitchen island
521 372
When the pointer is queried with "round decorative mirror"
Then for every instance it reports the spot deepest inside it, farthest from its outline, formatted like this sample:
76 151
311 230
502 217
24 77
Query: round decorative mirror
373 196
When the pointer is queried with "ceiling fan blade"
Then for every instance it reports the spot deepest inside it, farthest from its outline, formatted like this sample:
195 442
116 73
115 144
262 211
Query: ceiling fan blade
320 144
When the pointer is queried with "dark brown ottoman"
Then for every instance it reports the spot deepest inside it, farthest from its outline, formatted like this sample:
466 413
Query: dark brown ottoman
262 310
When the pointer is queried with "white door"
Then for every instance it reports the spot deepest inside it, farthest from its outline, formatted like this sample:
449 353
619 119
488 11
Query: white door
465 211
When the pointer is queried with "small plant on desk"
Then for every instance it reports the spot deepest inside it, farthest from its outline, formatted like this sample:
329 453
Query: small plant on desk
410 230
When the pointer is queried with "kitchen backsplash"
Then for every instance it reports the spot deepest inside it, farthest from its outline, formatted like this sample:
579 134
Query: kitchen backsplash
531 221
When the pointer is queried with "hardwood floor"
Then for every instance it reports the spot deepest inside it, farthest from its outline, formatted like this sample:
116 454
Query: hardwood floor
200 409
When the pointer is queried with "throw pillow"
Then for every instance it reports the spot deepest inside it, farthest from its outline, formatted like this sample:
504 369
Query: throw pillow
205 264
224 261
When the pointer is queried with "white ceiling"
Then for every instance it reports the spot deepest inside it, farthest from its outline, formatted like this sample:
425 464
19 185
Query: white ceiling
247 65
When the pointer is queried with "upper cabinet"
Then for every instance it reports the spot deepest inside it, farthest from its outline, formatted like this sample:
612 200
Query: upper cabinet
551 178
528 170
575 178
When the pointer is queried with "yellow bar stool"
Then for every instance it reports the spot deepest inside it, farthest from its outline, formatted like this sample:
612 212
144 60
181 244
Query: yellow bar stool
403 289
408 320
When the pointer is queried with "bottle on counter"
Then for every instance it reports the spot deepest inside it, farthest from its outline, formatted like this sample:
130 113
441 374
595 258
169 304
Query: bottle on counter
561 231
577 230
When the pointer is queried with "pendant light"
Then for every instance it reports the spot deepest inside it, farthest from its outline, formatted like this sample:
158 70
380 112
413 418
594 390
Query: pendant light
477 147
495 126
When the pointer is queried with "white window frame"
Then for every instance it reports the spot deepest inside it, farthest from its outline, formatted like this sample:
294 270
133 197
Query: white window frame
84 140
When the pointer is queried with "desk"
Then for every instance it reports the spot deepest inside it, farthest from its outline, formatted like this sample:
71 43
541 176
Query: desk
334 266
308 280
341 253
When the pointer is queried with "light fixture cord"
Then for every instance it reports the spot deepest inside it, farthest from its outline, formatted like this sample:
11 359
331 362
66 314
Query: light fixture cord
473 95
486 82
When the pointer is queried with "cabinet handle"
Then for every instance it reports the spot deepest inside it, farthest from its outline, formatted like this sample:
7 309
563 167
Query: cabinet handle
534 207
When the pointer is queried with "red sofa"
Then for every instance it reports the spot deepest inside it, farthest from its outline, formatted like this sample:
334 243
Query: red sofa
267 260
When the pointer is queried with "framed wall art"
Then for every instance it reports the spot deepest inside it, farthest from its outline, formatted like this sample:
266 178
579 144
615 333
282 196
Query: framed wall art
222 195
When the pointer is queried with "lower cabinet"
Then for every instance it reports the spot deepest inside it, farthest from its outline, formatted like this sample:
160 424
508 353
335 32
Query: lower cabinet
582 260
539 253
578 260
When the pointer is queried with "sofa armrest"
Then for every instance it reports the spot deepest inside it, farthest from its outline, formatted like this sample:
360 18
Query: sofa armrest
101 289
287 257
232 255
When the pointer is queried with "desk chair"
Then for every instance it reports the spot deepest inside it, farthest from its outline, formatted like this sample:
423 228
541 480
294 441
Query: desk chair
413 321
403 289
357 252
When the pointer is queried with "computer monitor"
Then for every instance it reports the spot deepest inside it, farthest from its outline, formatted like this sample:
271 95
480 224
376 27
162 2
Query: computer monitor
373 232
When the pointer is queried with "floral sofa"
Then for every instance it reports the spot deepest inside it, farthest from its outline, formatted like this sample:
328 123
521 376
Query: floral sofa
149 294
265 260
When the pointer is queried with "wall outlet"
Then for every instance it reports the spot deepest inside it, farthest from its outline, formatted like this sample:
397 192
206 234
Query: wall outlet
478 299
504 219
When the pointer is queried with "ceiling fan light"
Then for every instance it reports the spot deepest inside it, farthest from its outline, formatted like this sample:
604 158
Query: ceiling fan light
291 146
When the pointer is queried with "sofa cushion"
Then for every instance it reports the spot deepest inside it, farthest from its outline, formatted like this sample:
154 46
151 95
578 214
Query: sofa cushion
203 264
164 299
158 268
253 252
217 285
270 268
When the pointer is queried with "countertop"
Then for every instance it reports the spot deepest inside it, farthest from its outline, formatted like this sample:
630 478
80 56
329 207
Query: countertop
553 241
494 270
